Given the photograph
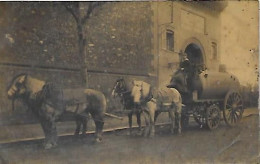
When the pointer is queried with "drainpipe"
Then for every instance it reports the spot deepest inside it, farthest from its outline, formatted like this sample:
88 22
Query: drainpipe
172 13
158 42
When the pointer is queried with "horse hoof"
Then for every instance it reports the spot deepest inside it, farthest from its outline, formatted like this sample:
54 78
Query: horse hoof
48 146
98 140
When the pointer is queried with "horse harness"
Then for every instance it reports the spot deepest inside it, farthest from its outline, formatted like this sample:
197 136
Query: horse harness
124 93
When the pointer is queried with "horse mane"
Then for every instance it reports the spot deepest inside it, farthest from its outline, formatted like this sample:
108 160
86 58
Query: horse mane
14 78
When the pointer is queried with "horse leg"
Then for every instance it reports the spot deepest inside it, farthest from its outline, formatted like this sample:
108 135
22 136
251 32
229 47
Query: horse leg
84 121
152 126
147 123
156 115
138 117
78 125
45 131
50 133
171 115
53 132
178 113
130 122
178 121
151 108
99 122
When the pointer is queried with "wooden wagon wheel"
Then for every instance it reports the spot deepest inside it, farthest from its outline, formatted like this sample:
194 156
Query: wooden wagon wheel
199 119
213 116
198 116
233 108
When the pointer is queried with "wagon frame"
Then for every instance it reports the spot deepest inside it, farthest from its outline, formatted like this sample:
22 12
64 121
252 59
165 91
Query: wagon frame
210 112
211 107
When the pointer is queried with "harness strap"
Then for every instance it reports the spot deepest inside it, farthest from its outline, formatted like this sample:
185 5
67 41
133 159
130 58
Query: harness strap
77 109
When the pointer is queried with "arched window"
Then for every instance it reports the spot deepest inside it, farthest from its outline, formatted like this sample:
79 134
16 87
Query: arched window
170 40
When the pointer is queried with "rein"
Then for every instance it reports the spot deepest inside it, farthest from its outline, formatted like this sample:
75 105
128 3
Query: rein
14 98
123 93
123 89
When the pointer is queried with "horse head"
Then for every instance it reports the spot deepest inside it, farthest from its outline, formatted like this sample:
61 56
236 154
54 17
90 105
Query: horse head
17 87
119 88
141 92
24 86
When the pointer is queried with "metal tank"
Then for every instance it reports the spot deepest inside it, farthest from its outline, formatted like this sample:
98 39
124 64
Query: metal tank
213 85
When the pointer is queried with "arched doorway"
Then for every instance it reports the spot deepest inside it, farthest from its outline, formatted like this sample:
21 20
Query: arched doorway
194 54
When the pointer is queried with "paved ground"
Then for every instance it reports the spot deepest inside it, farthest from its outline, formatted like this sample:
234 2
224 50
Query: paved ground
14 133
195 145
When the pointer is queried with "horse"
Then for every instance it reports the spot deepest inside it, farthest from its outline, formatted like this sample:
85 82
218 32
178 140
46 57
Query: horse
164 100
48 102
122 89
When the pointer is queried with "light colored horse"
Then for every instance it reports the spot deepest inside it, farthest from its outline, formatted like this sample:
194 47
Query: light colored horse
48 103
165 100
122 89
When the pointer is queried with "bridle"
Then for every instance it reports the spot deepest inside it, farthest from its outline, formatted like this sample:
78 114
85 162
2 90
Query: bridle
120 88
18 84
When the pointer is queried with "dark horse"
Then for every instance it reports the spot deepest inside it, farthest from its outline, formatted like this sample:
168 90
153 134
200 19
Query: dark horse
122 89
48 103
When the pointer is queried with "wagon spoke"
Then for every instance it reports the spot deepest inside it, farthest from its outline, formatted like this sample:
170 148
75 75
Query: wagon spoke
230 116
233 108
228 112
229 109
234 116
236 98
212 116
239 114
228 106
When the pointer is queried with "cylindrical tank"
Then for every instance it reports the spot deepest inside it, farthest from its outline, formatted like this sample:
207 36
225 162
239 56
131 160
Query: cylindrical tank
214 85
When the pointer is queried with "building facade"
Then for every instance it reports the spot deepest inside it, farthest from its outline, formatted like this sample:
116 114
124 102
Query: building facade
185 27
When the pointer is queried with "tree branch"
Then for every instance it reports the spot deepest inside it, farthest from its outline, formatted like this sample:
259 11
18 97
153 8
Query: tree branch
73 9
91 7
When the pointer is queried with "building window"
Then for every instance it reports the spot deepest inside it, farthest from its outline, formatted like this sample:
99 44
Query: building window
214 50
170 40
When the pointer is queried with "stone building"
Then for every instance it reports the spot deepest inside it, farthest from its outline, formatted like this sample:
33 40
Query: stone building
142 40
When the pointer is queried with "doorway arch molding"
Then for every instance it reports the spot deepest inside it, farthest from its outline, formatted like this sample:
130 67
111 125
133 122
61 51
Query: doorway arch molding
197 42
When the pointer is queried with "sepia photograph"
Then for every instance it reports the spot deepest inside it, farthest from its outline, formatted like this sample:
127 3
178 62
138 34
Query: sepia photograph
129 82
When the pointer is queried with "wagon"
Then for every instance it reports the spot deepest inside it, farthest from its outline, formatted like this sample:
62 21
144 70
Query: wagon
211 96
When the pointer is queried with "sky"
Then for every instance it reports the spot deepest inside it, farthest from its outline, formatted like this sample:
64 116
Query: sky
239 40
